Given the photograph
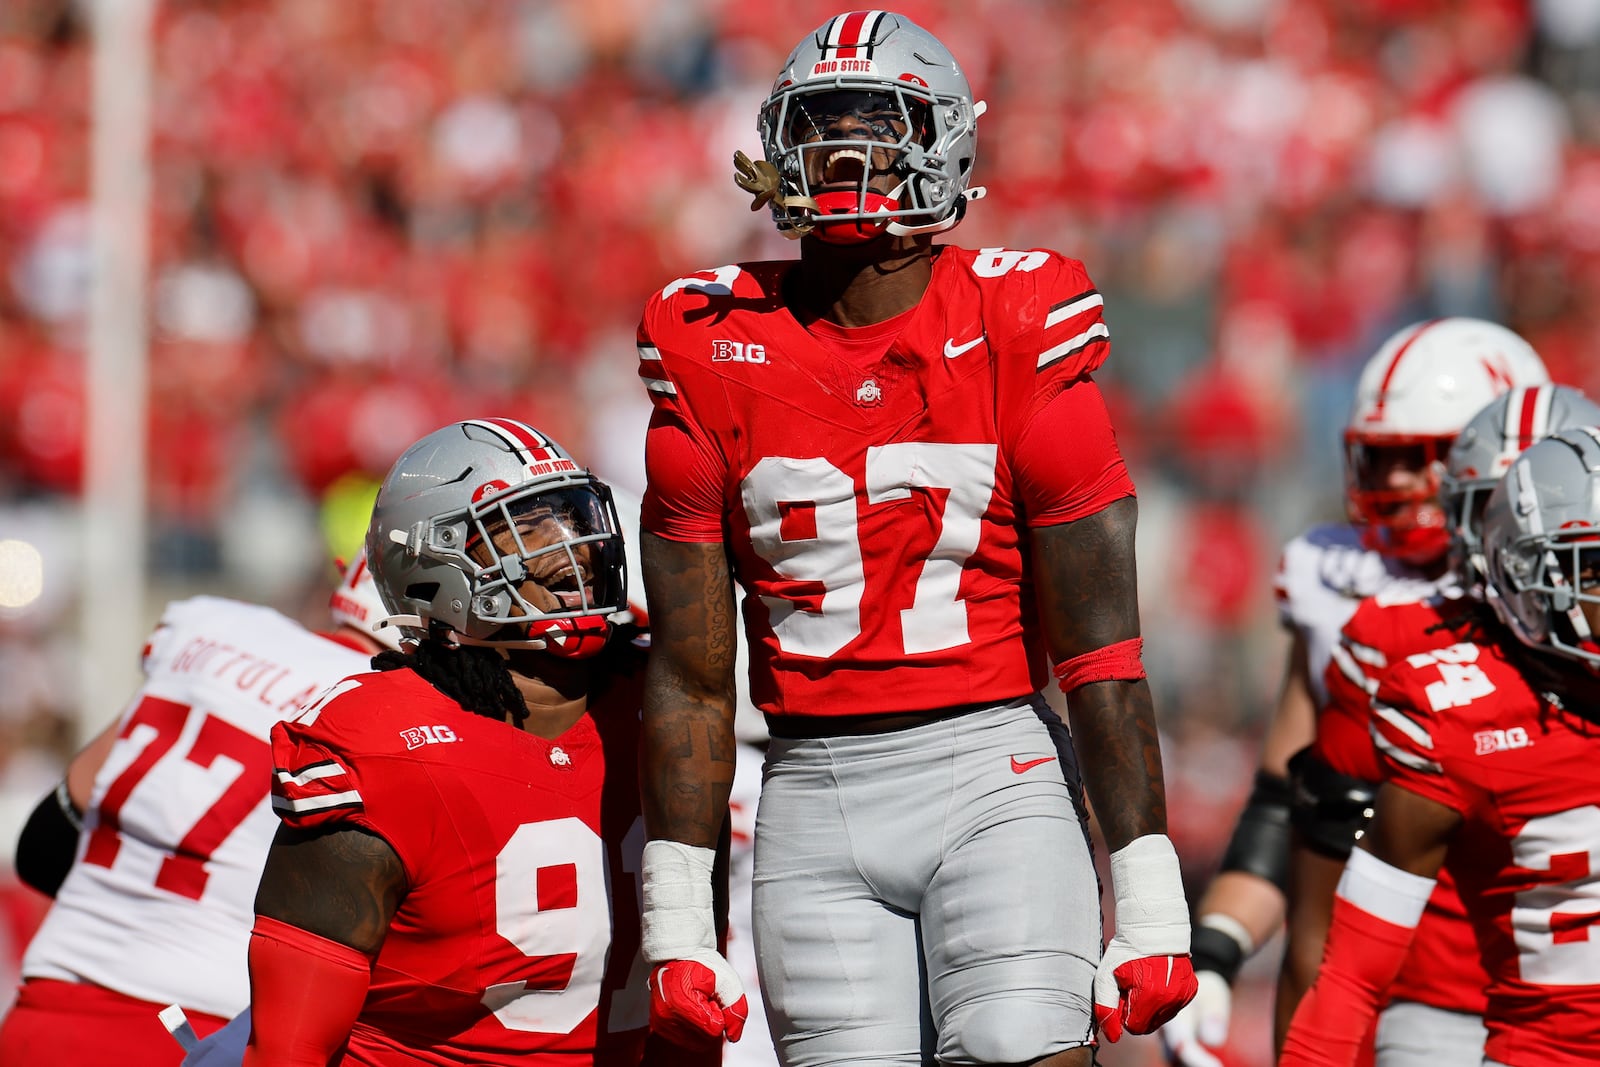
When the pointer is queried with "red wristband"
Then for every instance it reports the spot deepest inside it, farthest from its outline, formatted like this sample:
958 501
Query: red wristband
1120 662
305 994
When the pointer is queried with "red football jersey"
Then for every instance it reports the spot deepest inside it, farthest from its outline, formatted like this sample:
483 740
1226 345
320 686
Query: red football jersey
1444 967
518 939
1461 726
877 514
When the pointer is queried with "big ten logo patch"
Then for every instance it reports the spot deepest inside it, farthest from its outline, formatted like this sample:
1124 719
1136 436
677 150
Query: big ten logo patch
738 352
417 736
1486 741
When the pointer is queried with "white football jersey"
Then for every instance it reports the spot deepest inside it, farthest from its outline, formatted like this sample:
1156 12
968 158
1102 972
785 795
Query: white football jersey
160 900
1323 575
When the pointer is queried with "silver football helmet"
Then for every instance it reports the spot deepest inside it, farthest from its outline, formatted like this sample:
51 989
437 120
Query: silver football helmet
866 77
486 532
1541 541
1484 451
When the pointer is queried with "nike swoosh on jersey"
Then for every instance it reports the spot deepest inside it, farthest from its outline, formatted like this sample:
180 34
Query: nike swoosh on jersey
1019 766
952 350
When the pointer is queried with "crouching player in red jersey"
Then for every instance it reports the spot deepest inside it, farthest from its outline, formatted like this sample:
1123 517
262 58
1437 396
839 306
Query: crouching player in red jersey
1489 746
455 880
1437 1001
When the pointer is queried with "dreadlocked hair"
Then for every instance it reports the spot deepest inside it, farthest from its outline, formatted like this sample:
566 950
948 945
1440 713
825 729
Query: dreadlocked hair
476 678
1467 619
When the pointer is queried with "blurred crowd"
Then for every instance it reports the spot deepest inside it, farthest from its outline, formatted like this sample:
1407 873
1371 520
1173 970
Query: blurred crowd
370 217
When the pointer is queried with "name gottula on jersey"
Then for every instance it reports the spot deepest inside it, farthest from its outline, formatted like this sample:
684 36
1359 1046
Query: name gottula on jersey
877 507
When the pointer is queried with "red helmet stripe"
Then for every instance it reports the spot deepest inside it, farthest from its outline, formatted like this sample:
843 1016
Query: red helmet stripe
522 437
1534 401
852 32
1394 365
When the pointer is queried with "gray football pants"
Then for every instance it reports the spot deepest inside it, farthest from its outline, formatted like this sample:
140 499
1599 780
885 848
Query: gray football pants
927 894
1420 1035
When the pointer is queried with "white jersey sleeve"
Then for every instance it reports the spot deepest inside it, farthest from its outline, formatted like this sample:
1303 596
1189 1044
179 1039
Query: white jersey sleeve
159 901
1323 575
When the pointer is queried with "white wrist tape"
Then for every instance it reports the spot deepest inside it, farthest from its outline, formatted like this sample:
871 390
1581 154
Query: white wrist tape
1152 914
1393 895
678 919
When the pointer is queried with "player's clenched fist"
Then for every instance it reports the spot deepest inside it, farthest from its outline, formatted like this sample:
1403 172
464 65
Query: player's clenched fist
694 994
1145 976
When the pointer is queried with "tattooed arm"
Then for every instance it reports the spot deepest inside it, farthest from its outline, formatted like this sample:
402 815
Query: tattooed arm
344 885
687 750
686 756
323 907
1088 598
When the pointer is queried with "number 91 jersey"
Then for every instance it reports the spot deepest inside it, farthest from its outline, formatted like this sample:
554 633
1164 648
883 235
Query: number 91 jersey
517 940
876 510
1460 726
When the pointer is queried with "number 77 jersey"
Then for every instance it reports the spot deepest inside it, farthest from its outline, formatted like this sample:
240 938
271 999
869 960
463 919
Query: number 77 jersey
159 902
1462 727
876 508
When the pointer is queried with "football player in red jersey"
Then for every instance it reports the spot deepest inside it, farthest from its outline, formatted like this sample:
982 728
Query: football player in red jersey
455 877
1414 395
898 451
1489 747
1436 1007
152 844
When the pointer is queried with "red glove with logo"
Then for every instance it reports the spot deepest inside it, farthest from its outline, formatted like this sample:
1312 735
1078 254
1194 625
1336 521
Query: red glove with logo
1145 976
695 996
686 1004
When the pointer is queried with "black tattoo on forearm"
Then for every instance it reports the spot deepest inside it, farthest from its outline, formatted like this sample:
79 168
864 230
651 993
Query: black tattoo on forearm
687 751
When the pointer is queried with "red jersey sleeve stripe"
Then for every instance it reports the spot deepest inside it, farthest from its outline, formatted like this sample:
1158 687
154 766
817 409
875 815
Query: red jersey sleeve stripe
1071 325
350 798
311 772
1071 308
1341 658
1403 724
1073 345
1404 758
651 374
316 786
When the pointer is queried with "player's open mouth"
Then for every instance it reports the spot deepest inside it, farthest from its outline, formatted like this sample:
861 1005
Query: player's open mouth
569 587
845 167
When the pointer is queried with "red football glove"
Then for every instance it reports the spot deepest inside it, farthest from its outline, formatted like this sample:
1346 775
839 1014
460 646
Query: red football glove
1145 976
685 1006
